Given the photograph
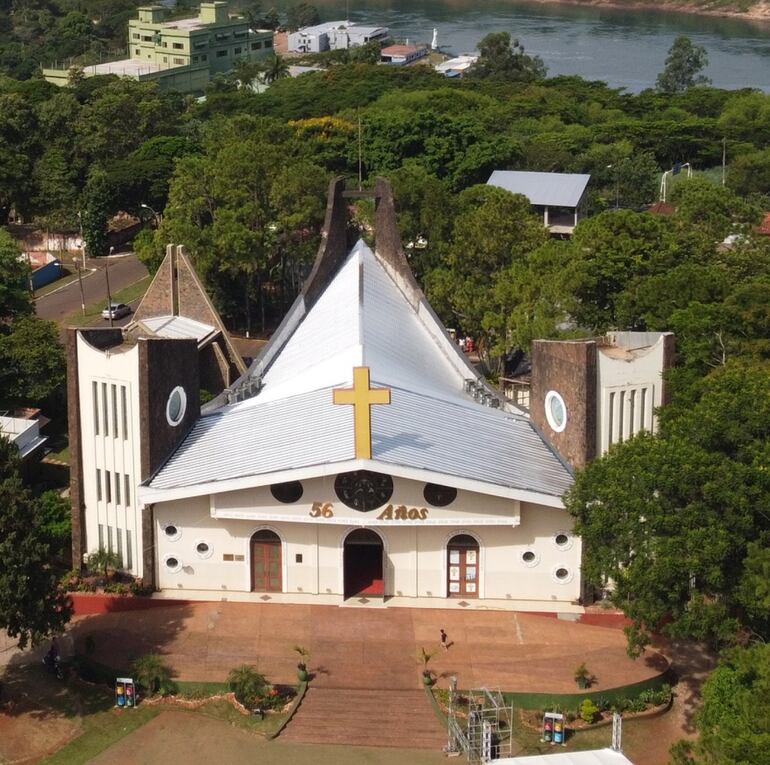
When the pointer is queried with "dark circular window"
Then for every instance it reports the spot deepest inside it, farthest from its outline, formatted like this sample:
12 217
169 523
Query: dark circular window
171 531
202 548
562 573
288 492
439 496
363 490
172 562
528 556
561 539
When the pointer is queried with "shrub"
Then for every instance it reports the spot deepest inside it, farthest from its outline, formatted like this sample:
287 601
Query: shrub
152 674
588 710
247 684
138 587
117 588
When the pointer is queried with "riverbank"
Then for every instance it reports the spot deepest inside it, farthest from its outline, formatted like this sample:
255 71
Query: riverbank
759 12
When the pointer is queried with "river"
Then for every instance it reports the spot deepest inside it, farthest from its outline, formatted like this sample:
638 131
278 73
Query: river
625 48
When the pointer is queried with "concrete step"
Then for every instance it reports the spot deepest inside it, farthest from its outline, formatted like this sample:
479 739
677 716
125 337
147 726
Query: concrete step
366 717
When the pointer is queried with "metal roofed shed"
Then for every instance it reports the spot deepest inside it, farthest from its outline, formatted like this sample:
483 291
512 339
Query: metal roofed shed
557 196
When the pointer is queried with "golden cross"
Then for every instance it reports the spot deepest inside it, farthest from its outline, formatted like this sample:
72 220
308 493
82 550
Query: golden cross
361 396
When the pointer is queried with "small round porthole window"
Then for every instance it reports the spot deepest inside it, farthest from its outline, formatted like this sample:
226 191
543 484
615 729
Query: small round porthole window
530 558
439 496
555 411
172 532
288 492
172 563
203 549
176 406
562 574
562 540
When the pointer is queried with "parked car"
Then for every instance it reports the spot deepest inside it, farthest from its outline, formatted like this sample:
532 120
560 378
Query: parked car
116 311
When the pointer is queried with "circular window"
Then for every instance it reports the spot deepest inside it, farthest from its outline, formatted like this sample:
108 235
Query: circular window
363 490
439 496
562 574
203 549
530 558
288 492
172 532
562 540
172 563
176 406
555 411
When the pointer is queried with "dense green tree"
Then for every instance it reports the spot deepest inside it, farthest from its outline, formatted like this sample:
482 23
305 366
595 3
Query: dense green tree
503 59
95 206
684 63
15 299
274 69
750 173
32 364
302 15
56 522
32 603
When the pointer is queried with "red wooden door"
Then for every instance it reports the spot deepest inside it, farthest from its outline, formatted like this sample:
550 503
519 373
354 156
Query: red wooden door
266 564
462 567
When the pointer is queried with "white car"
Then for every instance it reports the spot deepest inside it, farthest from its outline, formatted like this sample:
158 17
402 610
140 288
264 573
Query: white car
116 311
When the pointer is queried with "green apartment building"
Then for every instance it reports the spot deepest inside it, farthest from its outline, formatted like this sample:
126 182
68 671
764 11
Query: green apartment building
181 54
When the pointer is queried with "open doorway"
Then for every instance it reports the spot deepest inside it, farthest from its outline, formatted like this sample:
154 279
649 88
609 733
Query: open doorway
363 564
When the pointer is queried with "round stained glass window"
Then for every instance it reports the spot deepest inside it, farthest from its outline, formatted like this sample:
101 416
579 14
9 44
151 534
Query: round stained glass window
288 492
176 406
439 496
363 490
555 411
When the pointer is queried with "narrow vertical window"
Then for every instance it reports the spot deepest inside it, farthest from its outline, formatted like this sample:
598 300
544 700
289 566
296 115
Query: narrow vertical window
105 419
119 544
611 419
95 392
127 495
129 551
642 406
632 407
124 411
107 486
98 485
620 415
109 538
117 488
101 536
114 392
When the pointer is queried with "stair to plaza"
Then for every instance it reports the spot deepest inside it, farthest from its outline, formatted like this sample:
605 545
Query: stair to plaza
359 717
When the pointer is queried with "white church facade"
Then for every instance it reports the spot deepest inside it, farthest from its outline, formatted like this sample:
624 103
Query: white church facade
360 458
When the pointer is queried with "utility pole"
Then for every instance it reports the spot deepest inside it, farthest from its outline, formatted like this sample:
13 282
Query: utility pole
109 294
724 159
82 295
360 155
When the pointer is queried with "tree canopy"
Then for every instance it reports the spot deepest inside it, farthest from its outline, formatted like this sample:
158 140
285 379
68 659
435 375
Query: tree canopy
684 64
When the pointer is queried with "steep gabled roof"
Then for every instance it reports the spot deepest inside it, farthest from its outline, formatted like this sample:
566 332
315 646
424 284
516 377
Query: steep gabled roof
362 308
543 189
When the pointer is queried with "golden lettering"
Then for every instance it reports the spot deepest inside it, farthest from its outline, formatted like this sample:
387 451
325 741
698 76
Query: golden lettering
423 513
386 514
322 510
401 513
413 513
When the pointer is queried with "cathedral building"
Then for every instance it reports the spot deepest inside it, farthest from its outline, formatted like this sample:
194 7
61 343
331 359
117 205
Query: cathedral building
360 456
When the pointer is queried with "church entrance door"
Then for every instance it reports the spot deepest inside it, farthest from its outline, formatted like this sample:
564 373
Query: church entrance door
266 563
462 567
362 561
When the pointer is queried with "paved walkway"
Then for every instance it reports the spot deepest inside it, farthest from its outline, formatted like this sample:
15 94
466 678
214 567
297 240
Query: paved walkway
368 648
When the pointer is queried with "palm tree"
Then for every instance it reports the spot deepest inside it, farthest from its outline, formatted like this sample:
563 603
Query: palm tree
247 684
102 560
152 673
275 69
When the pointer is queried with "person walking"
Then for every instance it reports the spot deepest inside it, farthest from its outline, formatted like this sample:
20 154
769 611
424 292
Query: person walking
444 643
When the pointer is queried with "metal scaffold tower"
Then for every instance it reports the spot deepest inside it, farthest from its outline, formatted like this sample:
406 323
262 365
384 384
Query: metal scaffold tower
485 733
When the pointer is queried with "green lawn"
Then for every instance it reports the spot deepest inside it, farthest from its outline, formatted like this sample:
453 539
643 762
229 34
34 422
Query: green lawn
93 311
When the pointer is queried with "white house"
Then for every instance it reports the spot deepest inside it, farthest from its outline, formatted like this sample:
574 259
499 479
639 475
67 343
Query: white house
333 35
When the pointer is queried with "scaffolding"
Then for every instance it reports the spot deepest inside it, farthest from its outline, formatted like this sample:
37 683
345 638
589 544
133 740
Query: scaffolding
486 735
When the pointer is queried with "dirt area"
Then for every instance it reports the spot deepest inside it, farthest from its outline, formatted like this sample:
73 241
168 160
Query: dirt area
196 740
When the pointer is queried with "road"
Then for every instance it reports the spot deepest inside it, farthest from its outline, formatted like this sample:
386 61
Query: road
124 270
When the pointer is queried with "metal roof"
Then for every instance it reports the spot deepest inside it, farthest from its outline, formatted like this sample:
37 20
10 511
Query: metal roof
364 319
178 327
456 438
546 189
592 757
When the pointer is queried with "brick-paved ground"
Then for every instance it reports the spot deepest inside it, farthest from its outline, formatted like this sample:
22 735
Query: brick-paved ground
368 647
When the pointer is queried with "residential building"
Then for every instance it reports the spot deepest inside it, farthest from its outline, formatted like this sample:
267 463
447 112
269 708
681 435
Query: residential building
334 35
402 54
181 54
22 429
556 196
457 66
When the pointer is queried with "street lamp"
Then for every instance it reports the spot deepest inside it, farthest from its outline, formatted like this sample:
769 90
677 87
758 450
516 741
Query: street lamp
154 214
617 185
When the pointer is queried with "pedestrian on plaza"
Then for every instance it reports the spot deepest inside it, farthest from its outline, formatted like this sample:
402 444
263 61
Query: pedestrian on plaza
444 643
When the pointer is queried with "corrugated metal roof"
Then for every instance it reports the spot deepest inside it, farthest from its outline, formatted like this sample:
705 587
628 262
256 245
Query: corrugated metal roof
464 439
364 319
178 327
547 189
